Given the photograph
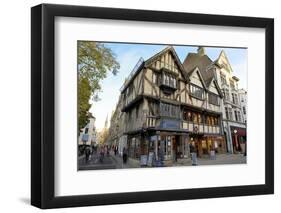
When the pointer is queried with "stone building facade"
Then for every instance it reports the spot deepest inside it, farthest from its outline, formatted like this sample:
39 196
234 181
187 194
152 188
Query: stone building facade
242 93
88 135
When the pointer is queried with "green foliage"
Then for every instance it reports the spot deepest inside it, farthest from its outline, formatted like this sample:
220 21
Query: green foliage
84 95
95 60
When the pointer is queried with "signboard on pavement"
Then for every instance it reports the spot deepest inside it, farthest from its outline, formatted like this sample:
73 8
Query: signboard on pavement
143 160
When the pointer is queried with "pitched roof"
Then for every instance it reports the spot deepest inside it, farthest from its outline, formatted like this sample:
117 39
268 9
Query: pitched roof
203 62
223 54
157 55
147 62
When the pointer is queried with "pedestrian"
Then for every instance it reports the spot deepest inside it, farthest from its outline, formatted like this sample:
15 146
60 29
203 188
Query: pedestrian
87 153
125 155
107 150
115 150
193 154
101 154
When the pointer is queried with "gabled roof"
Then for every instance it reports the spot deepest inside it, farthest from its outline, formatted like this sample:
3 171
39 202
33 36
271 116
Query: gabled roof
217 86
149 61
196 69
222 54
162 52
204 64
205 68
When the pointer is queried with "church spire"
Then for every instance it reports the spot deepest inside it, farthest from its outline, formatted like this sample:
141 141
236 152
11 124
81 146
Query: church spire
106 122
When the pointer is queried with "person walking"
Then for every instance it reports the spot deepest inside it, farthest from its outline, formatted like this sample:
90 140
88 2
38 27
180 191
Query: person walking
101 154
125 155
193 154
87 153
115 150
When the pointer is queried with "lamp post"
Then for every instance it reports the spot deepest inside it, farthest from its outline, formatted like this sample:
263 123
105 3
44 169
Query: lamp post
236 142
245 153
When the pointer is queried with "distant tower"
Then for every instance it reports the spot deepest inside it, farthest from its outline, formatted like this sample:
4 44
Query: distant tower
201 51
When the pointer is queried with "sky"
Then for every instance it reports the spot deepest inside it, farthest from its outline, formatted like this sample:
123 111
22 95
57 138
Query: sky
128 55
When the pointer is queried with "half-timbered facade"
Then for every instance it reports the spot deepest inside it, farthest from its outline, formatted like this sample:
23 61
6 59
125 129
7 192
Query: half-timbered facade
166 108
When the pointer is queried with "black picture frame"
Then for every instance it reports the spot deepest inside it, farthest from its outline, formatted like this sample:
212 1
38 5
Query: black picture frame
43 105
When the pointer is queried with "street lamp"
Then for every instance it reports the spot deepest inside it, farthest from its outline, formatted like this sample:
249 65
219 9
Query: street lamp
236 142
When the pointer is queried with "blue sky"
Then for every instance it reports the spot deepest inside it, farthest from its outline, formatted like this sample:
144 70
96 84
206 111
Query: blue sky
129 54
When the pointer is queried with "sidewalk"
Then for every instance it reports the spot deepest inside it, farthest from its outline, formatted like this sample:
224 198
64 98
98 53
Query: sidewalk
131 163
220 159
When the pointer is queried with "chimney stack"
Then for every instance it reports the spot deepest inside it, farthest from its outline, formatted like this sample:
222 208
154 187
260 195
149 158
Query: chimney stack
201 51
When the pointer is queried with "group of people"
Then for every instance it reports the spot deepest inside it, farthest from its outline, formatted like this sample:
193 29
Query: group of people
104 150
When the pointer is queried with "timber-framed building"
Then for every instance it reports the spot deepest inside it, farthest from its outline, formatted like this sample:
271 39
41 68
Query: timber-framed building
166 106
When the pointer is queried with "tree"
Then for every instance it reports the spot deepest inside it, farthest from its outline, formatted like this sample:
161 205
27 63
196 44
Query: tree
83 100
95 61
103 136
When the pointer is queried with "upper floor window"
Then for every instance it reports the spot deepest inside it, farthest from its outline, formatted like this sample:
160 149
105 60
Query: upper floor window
226 94
212 120
235 98
244 110
169 80
223 79
196 91
154 78
232 85
213 99
237 115
169 110
228 113
187 115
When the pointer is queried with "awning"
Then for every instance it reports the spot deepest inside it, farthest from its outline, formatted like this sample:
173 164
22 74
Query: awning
239 131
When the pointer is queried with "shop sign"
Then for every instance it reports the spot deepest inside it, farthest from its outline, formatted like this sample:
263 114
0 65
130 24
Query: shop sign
169 124
153 138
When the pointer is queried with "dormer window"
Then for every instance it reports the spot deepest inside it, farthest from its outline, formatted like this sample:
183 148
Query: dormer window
196 91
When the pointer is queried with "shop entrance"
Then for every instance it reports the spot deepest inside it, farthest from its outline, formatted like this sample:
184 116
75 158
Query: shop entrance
171 146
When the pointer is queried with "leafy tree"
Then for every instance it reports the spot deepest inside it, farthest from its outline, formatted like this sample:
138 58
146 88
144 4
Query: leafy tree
84 95
95 61
103 136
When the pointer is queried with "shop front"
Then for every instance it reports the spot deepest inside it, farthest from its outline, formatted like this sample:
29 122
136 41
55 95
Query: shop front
204 144
169 146
239 139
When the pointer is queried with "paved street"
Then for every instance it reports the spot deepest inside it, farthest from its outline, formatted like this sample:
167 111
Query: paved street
95 163
116 162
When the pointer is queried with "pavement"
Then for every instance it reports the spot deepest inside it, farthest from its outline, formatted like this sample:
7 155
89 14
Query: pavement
94 163
116 162
220 159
